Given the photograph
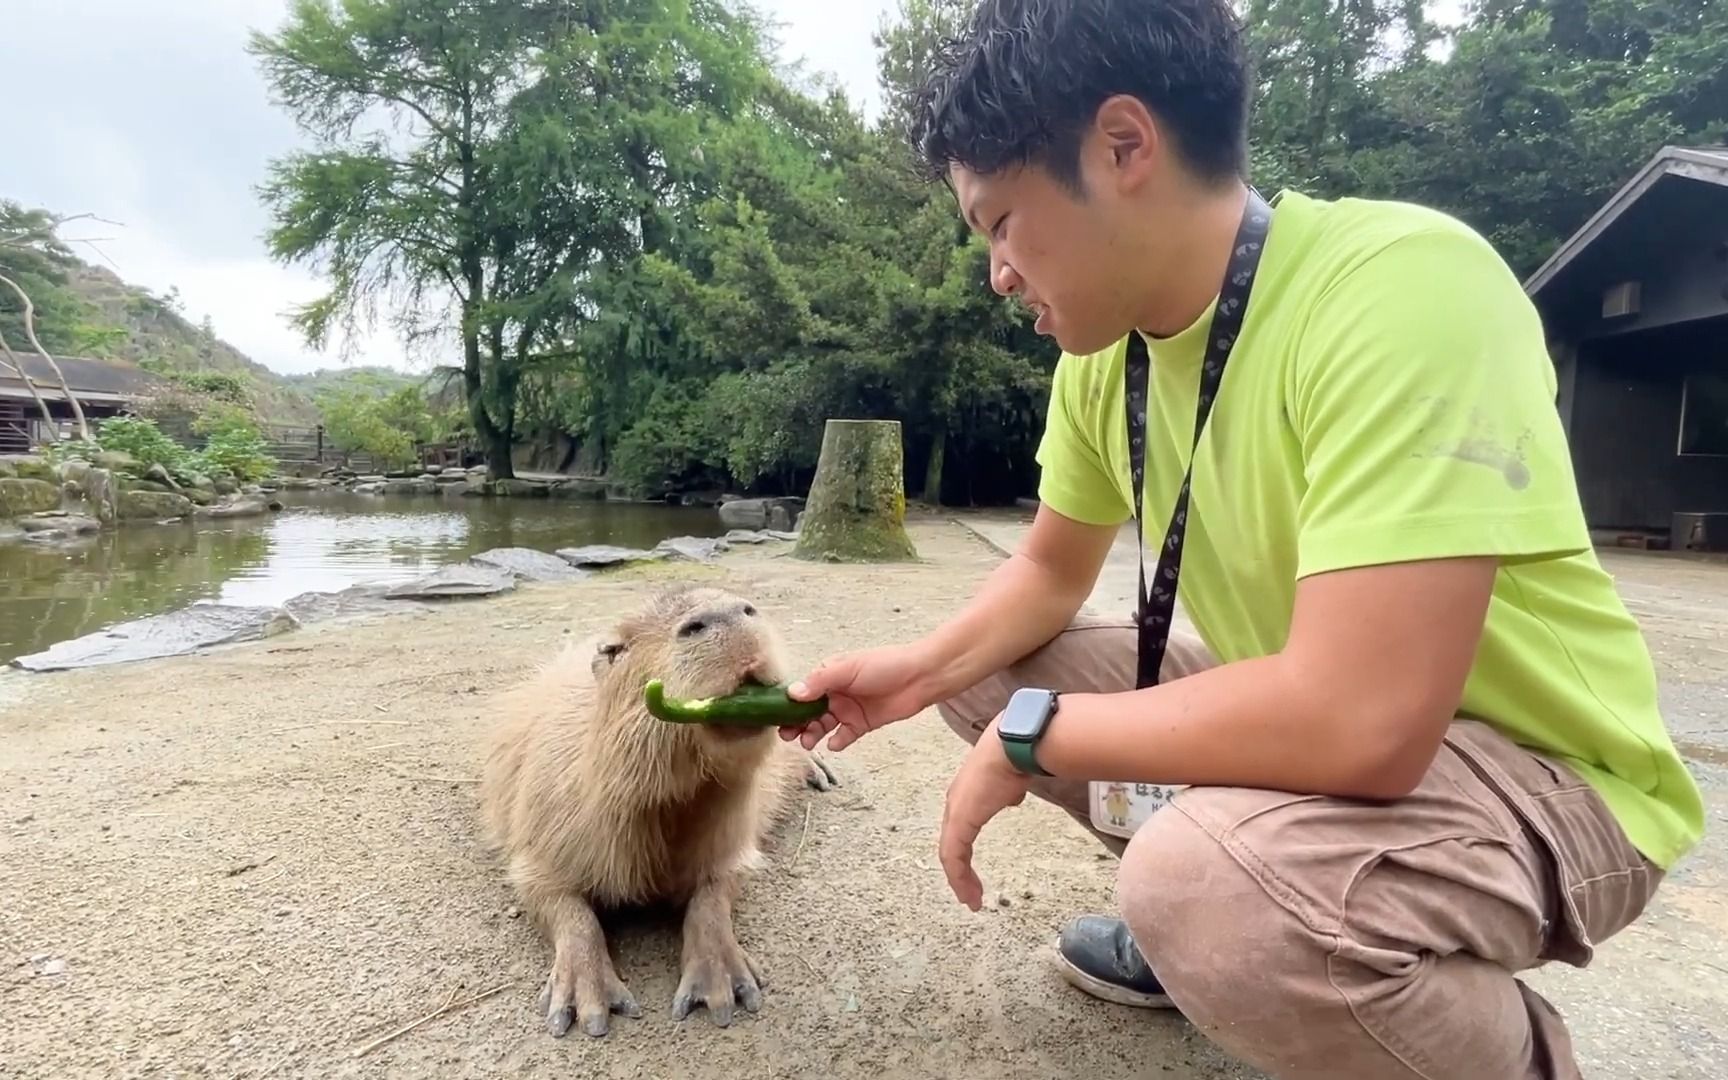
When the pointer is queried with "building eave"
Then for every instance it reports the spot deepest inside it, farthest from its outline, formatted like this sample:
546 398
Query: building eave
1706 166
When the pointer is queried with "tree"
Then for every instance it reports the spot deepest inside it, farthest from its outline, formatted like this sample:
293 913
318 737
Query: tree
31 250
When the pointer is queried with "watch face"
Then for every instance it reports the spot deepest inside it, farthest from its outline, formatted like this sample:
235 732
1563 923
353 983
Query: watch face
1026 714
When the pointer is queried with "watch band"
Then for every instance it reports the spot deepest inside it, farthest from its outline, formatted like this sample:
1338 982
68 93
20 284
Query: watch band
1023 756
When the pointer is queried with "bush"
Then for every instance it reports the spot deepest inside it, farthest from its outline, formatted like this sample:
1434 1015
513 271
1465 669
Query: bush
233 444
144 441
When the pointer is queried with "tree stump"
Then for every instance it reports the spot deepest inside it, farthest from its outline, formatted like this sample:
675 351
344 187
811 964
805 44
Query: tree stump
857 506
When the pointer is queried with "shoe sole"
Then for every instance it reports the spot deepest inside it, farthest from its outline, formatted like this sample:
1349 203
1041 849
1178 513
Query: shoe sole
1106 991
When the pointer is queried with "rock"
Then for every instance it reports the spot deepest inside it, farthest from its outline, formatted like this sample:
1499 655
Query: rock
778 534
580 488
416 486
223 485
101 495
200 496
528 564
597 556
53 966
75 471
433 470
450 480
152 506
251 489
201 482
118 461
695 498
176 633
241 506
370 478
355 600
454 582
760 513
131 484
300 483
745 536
521 489
28 467
158 474
57 522
369 489
695 549
20 497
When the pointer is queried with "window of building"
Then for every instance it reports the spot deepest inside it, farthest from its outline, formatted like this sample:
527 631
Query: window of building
1704 415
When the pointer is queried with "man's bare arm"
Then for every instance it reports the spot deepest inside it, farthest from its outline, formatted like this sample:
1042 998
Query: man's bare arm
1025 602
1355 705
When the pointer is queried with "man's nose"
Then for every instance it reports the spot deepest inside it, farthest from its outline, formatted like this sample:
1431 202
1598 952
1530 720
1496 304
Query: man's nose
1003 278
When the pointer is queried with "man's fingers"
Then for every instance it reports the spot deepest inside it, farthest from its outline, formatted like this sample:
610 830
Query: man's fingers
835 673
955 851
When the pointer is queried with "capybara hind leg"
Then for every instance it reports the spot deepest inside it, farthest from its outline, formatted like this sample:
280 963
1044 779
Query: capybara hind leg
582 986
717 972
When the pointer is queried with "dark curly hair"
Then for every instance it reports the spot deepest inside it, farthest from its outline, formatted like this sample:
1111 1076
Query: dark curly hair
1024 79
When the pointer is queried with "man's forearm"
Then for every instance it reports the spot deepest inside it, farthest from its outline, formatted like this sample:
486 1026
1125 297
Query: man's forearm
1021 606
1256 723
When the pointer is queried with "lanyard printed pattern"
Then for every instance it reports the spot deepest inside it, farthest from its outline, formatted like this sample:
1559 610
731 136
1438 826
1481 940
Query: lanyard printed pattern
1155 611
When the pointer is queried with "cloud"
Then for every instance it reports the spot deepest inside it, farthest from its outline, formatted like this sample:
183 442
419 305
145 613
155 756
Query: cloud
153 115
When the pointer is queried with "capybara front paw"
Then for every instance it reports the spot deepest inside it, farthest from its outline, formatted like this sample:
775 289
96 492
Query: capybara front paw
585 998
721 982
820 776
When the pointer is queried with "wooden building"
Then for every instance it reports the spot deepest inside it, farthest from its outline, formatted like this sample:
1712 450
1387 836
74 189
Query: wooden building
1636 309
103 387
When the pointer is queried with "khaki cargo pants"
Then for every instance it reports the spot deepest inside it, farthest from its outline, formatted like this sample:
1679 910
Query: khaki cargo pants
1316 937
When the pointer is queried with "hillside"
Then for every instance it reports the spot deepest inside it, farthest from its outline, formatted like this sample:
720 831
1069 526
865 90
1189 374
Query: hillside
139 326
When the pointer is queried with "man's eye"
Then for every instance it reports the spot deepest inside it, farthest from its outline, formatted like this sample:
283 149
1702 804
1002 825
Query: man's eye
996 229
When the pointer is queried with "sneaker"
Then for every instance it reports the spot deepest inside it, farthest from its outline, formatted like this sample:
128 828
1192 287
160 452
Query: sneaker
1098 956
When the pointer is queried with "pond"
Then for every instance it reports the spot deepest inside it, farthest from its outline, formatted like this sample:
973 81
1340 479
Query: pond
321 541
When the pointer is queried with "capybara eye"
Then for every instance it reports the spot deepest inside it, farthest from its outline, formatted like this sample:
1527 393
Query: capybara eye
749 611
692 628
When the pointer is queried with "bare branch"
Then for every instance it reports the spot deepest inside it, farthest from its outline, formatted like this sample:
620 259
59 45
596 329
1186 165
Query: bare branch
30 331
17 365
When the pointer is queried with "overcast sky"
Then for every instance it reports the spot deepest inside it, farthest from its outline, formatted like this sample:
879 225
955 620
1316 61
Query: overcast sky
152 115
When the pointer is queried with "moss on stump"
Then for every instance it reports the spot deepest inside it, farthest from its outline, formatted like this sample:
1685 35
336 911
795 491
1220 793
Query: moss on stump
857 506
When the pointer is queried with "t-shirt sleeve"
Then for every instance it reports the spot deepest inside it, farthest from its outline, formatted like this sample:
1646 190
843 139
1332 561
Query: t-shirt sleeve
1424 401
1074 480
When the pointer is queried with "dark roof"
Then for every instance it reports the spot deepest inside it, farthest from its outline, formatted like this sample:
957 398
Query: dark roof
1708 164
107 381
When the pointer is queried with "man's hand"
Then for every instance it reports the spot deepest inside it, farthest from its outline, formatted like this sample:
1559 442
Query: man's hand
987 784
866 690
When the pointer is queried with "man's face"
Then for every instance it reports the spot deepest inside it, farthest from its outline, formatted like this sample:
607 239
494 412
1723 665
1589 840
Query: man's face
1058 251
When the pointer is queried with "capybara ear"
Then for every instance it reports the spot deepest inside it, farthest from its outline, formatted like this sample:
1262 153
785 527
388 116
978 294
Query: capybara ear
606 653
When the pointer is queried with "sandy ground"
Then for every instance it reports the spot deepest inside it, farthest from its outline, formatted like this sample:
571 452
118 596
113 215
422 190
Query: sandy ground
256 862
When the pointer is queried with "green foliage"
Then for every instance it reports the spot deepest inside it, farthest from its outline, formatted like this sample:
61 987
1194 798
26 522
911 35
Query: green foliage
386 426
145 442
223 386
232 444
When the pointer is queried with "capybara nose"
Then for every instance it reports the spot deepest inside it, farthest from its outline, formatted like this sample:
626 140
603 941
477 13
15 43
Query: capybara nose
714 618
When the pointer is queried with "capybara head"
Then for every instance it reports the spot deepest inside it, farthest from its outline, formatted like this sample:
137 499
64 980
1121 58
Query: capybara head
699 642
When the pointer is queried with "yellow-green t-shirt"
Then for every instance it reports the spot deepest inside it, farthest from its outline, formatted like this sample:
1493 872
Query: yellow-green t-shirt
1390 399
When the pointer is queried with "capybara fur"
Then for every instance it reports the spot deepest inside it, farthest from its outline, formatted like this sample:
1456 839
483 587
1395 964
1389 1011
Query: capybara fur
592 803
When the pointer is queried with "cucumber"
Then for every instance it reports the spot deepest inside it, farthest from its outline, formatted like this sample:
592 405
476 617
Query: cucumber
750 706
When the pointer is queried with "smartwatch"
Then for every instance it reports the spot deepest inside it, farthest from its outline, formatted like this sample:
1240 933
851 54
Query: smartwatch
1022 724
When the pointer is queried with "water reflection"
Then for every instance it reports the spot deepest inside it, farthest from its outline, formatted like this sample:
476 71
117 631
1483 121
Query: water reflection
320 542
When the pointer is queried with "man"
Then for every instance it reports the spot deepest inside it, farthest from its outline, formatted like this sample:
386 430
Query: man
1419 731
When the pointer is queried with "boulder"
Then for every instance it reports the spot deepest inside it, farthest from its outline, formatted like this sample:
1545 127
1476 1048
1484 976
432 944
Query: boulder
241 506
28 467
176 633
454 582
433 470
224 485
416 486
59 523
580 488
20 497
528 564
599 556
101 496
521 489
693 548
201 482
153 506
369 478
199 496
159 475
75 471
118 461
761 513
369 489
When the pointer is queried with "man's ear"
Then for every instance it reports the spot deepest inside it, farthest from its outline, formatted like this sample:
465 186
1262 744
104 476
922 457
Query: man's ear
606 653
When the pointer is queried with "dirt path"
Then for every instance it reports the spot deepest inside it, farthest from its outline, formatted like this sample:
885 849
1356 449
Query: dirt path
253 862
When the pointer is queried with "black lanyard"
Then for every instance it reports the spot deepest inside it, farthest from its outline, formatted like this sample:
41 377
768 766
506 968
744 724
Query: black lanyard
1154 613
